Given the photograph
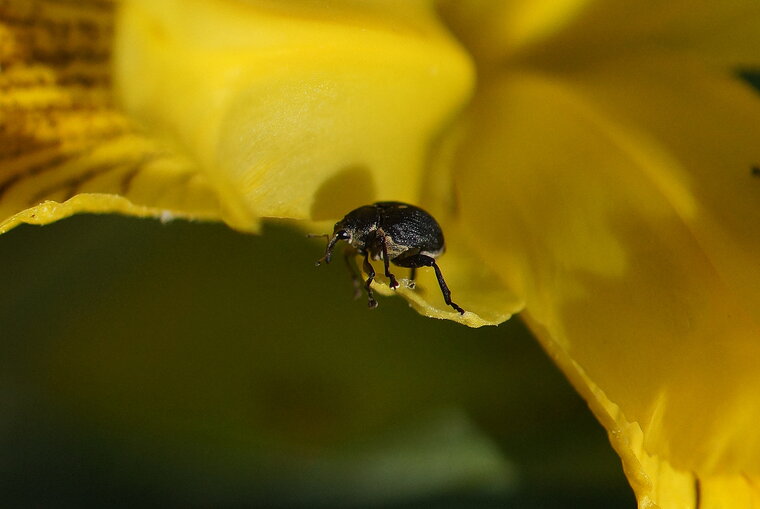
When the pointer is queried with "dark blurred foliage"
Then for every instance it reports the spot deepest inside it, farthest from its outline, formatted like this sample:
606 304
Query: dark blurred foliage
185 364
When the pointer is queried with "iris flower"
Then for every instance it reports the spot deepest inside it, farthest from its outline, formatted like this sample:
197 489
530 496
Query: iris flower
592 163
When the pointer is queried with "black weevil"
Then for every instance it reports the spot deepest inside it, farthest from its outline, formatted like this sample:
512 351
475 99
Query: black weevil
393 232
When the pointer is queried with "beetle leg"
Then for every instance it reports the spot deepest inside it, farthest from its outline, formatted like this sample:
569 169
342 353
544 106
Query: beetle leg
412 276
348 254
445 289
386 264
370 276
420 260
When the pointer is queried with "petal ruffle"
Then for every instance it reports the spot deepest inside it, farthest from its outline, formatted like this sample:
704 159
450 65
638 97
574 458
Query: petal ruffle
63 147
128 175
612 213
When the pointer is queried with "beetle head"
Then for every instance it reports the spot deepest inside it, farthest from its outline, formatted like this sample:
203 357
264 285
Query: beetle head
354 229
339 234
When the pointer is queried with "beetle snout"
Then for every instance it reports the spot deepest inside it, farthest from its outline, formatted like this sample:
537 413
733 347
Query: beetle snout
338 236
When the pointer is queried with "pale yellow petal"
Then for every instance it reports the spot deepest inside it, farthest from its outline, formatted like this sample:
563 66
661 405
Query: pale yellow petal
621 233
290 110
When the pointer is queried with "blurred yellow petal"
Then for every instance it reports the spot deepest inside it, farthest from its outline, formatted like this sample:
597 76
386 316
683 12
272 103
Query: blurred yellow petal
627 215
63 147
699 146
277 101
724 33
494 31
569 32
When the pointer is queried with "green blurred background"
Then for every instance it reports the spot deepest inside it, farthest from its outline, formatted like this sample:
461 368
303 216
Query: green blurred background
186 364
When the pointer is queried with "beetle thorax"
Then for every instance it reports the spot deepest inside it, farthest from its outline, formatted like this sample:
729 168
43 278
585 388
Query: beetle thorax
364 240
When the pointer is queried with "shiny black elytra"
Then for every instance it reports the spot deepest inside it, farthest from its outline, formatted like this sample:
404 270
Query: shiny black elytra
393 232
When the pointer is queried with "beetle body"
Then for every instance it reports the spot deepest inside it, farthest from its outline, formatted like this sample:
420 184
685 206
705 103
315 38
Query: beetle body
393 232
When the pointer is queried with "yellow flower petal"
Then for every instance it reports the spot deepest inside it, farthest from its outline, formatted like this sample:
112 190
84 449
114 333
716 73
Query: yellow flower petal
562 32
64 148
282 104
496 30
699 146
613 210
615 199
725 33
